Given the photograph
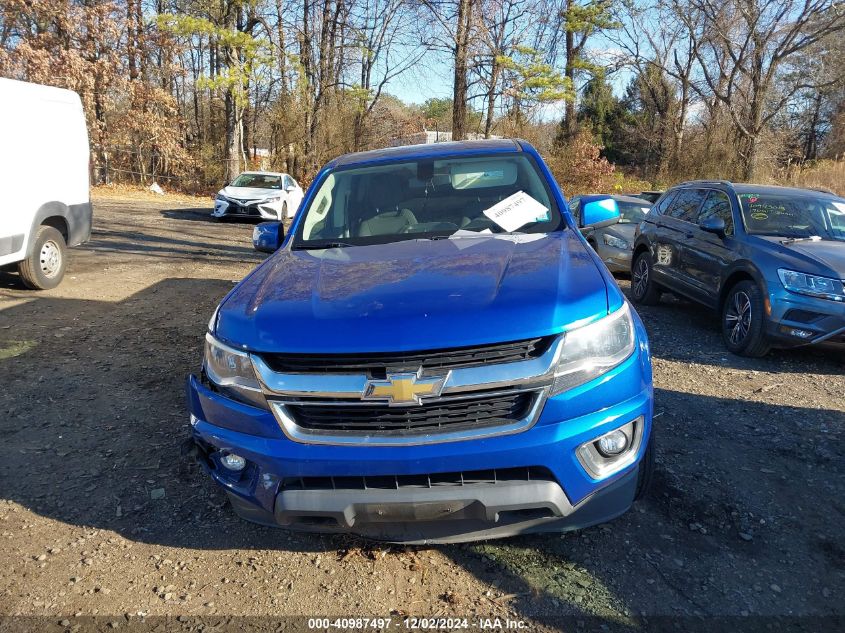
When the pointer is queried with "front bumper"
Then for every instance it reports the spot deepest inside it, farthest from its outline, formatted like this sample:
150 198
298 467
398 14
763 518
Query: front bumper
420 507
798 320
230 208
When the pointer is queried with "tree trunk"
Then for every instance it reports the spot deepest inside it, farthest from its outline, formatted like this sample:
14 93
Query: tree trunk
811 147
491 96
459 94
569 73
308 88
131 39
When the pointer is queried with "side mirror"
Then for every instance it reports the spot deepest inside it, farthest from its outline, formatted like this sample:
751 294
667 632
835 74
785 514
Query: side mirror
713 225
289 188
267 237
598 212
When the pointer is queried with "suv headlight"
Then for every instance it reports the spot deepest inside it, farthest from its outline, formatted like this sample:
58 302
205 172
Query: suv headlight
231 371
615 242
221 197
812 285
594 349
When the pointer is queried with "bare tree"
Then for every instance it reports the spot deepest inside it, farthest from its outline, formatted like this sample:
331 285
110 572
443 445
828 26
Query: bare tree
740 46
385 38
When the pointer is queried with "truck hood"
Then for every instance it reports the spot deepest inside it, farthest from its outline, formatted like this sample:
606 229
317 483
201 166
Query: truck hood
415 295
825 257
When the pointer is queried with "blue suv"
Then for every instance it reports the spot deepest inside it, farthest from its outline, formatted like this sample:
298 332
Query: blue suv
770 260
433 353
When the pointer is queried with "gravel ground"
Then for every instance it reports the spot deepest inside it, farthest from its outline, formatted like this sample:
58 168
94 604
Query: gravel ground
99 515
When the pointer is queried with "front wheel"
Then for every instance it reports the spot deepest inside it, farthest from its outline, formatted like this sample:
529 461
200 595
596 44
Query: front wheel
45 266
284 213
743 320
643 289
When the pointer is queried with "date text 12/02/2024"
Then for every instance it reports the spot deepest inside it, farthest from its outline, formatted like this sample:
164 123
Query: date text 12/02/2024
416 623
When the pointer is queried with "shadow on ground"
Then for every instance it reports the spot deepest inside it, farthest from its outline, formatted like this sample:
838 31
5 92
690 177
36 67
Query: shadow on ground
93 415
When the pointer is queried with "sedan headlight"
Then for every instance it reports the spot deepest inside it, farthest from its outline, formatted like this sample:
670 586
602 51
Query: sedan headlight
271 200
813 285
231 371
615 242
594 349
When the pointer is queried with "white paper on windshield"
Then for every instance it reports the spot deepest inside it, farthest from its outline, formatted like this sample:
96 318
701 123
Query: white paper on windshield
516 211
468 242
465 233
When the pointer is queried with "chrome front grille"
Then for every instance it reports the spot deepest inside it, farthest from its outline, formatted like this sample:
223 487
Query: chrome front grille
495 395
449 414
429 361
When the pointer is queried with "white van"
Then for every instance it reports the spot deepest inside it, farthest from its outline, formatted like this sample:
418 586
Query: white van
44 177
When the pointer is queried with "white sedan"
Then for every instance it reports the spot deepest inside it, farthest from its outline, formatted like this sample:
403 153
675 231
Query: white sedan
259 194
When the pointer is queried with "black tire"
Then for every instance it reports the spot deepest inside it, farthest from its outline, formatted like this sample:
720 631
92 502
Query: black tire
646 469
45 266
744 320
643 289
284 212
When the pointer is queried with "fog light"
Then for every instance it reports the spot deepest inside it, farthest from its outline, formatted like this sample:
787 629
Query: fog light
233 462
800 333
615 450
612 444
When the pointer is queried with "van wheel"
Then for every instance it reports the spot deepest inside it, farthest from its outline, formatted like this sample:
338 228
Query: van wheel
45 266
743 320
643 289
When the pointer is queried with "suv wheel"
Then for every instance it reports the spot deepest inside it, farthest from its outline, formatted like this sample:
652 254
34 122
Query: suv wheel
643 289
45 266
743 320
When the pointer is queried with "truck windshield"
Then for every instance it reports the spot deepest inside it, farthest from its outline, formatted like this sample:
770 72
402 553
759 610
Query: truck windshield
428 199
793 215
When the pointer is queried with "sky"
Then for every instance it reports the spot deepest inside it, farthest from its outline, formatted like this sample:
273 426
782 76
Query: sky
432 78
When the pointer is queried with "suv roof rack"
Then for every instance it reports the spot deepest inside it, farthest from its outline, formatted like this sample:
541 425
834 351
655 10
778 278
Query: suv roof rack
706 182
822 190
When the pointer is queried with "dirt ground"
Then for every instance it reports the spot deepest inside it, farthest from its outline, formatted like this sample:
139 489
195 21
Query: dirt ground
100 516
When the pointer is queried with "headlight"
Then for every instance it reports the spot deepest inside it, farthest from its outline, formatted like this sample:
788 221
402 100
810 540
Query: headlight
231 372
812 285
270 200
594 349
220 196
615 242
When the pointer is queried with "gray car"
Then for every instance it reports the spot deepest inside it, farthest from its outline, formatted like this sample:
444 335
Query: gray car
614 243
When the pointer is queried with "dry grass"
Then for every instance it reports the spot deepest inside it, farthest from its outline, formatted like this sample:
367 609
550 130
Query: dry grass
828 175
134 192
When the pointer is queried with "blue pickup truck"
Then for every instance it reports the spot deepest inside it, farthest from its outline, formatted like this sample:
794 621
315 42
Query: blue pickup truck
433 353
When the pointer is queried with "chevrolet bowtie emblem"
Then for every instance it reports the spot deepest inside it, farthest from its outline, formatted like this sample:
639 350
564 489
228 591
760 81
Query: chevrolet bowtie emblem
399 389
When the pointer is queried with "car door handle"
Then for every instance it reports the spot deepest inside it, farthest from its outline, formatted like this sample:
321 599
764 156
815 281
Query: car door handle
690 235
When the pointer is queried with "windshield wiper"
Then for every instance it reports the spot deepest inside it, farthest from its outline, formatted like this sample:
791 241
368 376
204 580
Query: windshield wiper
321 245
792 240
